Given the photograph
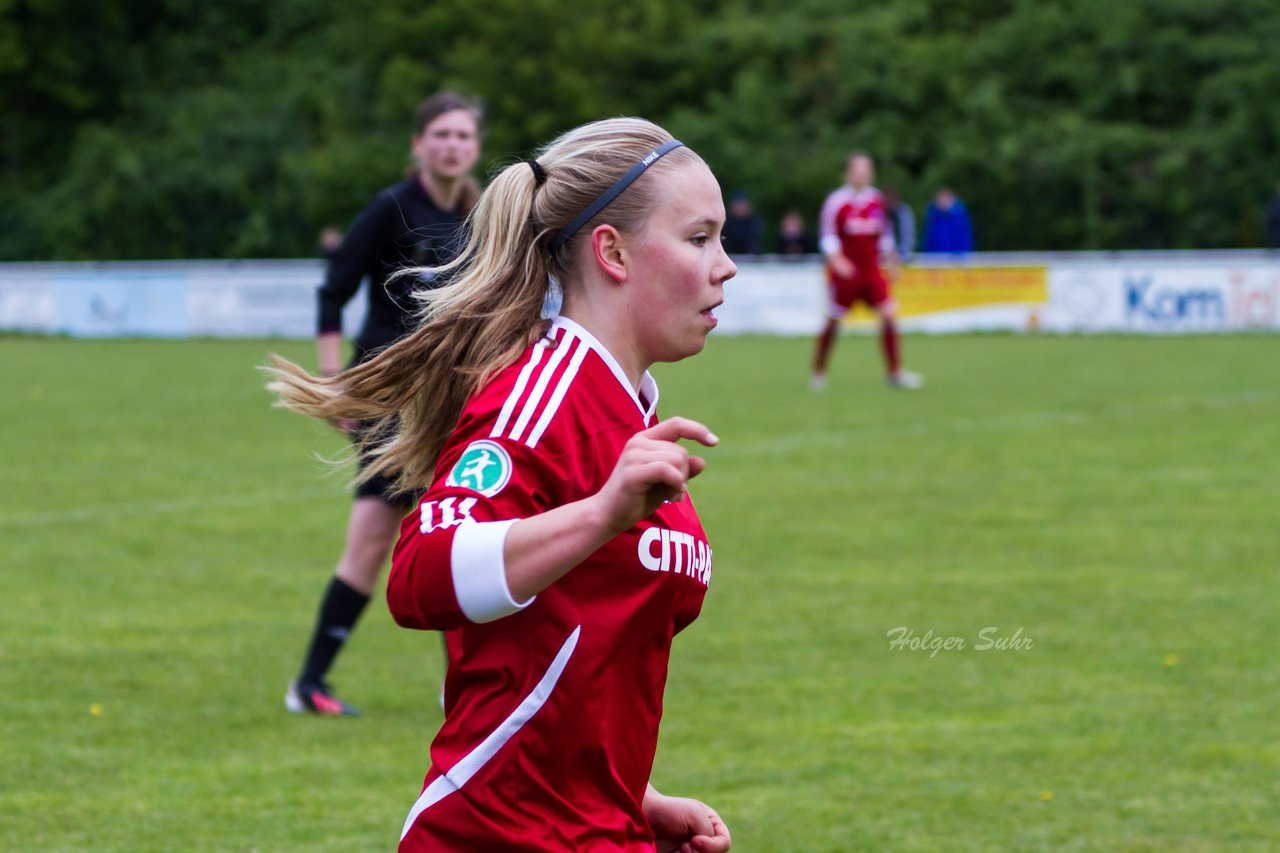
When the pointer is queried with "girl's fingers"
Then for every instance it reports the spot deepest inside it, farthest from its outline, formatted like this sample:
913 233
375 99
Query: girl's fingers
674 429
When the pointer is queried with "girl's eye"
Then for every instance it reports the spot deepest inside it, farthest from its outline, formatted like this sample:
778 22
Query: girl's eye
700 240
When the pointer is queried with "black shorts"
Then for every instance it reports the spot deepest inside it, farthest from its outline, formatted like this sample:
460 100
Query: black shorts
381 486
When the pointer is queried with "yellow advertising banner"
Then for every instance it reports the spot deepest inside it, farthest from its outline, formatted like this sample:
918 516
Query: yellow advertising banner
930 290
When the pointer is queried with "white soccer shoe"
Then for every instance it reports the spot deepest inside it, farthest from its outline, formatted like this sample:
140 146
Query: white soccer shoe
906 380
818 382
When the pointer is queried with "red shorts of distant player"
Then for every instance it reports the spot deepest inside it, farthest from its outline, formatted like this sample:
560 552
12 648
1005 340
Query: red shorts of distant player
870 287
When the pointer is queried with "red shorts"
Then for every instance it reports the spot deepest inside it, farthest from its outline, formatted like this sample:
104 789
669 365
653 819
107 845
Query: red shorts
870 287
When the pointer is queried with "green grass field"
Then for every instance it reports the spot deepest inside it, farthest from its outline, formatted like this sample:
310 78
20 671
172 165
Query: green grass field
164 537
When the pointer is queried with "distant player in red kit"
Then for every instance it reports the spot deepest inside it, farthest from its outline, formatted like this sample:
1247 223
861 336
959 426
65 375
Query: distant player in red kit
556 544
854 232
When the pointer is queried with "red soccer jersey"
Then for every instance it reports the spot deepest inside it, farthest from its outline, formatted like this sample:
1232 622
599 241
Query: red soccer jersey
551 707
854 222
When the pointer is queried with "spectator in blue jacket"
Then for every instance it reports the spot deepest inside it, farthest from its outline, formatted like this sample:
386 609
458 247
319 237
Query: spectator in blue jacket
946 224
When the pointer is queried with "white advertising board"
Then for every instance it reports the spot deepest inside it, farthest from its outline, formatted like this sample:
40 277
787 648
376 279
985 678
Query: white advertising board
1163 299
234 299
1160 293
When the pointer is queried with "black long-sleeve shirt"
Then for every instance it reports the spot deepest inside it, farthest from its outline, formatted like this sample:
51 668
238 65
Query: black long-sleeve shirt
400 228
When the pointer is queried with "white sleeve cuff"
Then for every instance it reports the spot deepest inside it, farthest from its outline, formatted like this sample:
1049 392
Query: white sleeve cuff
829 244
480 571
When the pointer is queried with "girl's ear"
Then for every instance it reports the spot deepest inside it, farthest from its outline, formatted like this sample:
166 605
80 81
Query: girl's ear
607 252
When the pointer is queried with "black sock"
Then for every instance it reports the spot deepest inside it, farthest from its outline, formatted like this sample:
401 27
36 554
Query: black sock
339 611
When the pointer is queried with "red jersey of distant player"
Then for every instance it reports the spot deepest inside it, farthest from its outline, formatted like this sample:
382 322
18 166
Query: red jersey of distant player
551 707
854 222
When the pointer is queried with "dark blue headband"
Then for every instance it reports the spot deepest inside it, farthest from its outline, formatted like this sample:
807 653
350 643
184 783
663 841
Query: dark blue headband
613 192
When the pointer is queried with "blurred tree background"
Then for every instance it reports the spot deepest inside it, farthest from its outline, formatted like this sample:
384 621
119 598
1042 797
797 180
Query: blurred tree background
181 129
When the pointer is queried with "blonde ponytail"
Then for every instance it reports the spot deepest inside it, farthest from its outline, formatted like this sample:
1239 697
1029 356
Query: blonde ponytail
490 310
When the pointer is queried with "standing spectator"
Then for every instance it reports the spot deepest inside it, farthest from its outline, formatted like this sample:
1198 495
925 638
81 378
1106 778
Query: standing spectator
1273 220
556 545
743 229
946 224
854 235
903 222
794 240
417 222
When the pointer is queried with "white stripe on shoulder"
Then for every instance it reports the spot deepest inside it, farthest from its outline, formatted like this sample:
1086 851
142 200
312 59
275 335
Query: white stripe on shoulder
470 764
540 387
514 397
558 395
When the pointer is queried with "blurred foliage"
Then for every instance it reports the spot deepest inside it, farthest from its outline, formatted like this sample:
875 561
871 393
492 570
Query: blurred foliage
171 128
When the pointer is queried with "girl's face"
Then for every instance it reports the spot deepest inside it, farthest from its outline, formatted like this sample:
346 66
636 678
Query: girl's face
861 171
679 265
448 146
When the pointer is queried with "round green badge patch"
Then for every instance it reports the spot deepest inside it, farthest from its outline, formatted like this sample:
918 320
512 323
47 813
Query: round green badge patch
484 467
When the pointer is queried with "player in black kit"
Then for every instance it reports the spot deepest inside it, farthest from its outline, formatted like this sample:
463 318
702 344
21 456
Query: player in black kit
417 222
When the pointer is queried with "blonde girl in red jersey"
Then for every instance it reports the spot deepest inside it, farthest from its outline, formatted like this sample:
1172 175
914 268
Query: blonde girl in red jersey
556 544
